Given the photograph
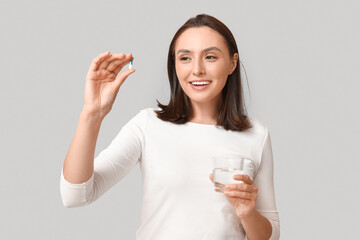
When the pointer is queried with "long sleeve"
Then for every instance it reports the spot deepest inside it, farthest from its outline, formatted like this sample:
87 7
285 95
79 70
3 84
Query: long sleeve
265 203
110 166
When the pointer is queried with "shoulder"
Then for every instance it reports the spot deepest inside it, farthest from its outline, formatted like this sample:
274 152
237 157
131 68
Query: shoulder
262 140
258 126
259 130
147 112
140 119
145 115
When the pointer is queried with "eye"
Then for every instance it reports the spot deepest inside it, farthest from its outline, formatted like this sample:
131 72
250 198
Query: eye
184 58
211 57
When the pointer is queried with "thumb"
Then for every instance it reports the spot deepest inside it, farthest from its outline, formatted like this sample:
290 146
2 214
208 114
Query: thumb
211 177
121 78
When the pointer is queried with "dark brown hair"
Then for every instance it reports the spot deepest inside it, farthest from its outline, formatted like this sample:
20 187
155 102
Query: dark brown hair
232 114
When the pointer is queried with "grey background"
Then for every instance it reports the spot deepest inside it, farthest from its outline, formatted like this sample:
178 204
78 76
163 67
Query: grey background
301 60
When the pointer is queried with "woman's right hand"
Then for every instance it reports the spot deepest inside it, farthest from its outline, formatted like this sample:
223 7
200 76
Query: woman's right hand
103 84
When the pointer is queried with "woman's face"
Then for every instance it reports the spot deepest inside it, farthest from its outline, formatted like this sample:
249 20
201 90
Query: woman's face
201 54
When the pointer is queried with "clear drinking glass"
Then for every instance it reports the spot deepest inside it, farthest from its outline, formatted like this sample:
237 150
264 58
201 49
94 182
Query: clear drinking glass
225 167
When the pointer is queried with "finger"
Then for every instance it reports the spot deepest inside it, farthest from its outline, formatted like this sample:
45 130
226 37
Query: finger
116 62
118 68
101 76
211 176
243 177
121 78
128 57
105 64
240 194
97 60
106 61
242 187
219 185
220 190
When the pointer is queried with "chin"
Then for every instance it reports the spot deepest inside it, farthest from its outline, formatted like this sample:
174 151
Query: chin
200 100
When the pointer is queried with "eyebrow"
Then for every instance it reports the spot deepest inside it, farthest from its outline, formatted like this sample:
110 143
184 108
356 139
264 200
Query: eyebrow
205 50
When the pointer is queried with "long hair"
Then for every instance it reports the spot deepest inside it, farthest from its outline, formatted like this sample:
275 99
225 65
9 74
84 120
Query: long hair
232 115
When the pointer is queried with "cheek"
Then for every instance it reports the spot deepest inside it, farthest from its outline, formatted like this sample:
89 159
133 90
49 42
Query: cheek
178 71
219 71
182 71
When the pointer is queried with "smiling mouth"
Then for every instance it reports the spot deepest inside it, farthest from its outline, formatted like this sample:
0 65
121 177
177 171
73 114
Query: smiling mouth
200 83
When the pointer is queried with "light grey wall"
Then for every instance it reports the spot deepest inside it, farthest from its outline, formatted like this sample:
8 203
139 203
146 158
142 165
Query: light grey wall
301 60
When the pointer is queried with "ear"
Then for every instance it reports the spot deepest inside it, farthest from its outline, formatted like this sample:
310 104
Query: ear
233 64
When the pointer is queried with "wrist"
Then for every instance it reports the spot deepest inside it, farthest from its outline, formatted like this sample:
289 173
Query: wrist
248 215
91 115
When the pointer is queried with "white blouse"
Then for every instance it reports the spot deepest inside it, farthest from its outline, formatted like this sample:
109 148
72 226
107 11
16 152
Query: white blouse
178 199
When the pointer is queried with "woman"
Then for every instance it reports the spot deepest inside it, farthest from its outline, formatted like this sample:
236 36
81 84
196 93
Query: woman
174 144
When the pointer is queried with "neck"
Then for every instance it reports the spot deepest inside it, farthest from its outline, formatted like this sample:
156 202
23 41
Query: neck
205 112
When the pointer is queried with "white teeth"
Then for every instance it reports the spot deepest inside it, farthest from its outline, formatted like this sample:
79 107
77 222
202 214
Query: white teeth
200 83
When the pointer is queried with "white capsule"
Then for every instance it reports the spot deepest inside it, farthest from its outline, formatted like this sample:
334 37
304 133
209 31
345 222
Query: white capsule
130 64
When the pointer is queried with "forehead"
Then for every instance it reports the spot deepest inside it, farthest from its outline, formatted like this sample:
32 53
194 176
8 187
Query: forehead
199 38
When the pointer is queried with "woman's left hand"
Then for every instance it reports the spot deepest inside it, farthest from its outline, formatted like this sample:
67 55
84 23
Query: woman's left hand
242 196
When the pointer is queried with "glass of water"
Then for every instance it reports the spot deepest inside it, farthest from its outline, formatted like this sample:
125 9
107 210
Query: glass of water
225 167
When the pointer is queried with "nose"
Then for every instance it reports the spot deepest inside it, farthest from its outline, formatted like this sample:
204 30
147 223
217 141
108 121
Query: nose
198 67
